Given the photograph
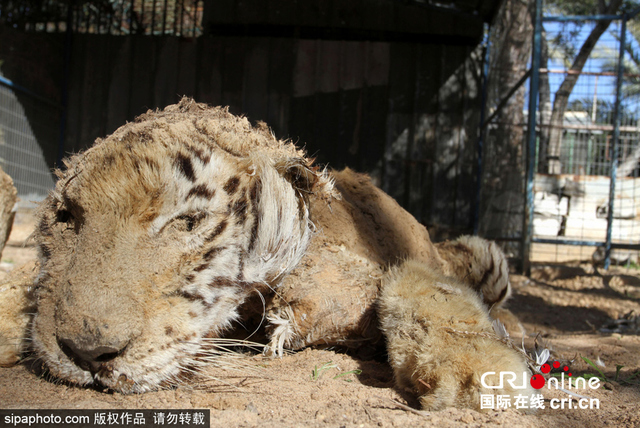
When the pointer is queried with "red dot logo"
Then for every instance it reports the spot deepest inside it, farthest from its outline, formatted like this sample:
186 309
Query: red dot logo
556 364
537 381
546 368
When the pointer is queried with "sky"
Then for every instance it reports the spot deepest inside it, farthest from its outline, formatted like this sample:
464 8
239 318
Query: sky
588 86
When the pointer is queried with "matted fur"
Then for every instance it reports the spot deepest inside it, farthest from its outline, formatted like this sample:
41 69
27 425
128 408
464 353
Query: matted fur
189 222
156 235
440 339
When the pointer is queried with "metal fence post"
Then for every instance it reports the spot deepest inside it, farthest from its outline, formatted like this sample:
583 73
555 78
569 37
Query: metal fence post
615 147
527 224
482 133
68 40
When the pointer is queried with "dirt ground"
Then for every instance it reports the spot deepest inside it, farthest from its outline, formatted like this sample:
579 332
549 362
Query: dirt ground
565 305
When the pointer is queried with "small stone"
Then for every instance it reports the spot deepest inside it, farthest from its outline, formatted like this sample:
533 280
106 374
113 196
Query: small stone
467 419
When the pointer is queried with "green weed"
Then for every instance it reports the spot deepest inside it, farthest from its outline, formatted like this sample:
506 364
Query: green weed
355 372
616 378
318 371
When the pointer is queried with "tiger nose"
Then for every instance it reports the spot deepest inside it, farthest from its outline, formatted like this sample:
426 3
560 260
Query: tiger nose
90 352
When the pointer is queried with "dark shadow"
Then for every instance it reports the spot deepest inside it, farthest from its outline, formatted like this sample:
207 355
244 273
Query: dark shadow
35 366
554 271
377 373
608 291
534 310
617 286
630 280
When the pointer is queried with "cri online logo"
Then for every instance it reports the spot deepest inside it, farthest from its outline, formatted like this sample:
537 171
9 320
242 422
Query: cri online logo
537 381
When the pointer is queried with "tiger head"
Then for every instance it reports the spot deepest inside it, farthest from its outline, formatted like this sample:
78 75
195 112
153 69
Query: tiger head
154 236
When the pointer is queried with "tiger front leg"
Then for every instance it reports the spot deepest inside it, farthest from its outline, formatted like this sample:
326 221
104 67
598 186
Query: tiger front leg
328 300
440 339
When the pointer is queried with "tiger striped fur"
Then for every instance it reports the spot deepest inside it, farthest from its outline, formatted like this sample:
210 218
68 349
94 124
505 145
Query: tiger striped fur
189 222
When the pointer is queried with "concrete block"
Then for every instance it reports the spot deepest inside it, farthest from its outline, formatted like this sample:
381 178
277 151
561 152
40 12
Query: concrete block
546 226
591 229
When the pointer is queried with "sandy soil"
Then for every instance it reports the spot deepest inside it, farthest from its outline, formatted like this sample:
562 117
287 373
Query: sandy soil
566 306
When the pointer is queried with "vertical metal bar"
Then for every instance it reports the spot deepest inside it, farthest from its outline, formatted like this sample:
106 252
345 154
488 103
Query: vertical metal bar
164 18
131 12
195 18
98 29
78 16
483 131
122 17
527 224
68 40
615 146
181 17
112 16
175 18
153 18
143 3
86 17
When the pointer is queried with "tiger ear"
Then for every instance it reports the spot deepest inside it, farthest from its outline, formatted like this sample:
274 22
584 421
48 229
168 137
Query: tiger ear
300 174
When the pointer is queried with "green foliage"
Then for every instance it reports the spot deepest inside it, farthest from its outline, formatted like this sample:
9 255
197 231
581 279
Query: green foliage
604 110
355 372
585 7
632 265
602 377
317 372
564 45
630 63
628 381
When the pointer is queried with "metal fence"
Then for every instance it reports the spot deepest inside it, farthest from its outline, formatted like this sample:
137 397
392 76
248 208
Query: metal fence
582 187
572 194
116 17
588 205
32 127
29 130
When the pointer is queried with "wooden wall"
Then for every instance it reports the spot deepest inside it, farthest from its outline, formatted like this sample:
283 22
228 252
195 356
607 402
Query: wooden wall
405 112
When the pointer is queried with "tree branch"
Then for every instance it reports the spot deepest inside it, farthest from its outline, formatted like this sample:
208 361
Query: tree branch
569 82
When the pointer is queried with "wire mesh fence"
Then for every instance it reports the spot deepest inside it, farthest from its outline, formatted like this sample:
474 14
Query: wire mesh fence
589 119
29 129
31 126
571 198
116 17
586 148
